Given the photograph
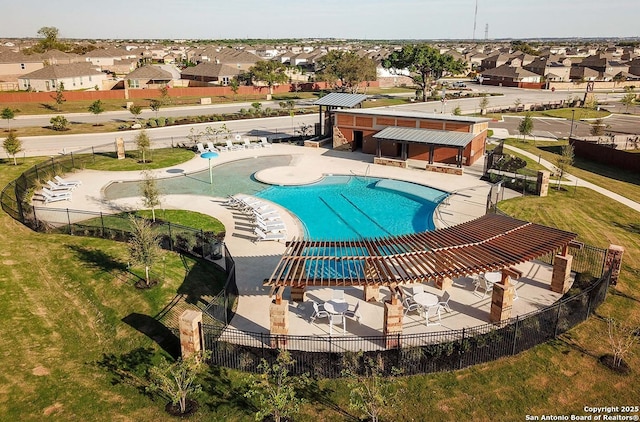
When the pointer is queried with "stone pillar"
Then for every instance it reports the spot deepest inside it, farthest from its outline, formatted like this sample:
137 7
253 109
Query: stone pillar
542 186
444 283
279 322
560 281
392 324
613 261
371 292
299 293
501 301
190 332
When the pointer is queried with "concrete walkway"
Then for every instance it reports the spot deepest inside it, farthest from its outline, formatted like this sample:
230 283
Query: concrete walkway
571 180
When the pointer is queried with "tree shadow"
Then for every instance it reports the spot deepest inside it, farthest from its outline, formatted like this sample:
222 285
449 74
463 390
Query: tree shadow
313 393
194 290
223 393
129 368
99 259
156 331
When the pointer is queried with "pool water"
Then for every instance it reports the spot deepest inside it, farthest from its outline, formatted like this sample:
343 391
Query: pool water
350 207
336 208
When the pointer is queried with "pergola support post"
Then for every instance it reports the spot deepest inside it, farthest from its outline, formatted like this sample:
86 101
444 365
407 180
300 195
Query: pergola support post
371 292
613 261
392 324
299 293
190 326
501 302
560 278
444 283
279 322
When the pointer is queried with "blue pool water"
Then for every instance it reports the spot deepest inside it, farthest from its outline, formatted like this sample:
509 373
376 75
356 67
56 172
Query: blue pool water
350 207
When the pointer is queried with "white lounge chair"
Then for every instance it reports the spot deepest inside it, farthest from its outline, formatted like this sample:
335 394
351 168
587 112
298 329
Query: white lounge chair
211 147
64 182
201 148
265 143
232 147
59 188
268 236
54 198
248 144
271 227
61 193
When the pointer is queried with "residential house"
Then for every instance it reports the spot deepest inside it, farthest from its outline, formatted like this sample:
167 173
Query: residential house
553 68
205 74
59 57
74 76
148 77
13 65
506 75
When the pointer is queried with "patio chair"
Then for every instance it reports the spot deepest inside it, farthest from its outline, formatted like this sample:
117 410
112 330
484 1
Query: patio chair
63 182
265 143
317 312
436 310
514 285
268 236
336 319
443 301
484 285
337 294
417 289
410 305
59 188
354 313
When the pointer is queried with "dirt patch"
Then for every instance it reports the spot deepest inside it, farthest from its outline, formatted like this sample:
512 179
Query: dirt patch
8 262
54 408
40 371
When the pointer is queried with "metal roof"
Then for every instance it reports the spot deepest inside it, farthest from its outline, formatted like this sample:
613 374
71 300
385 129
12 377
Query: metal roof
426 136
339 99
398 111
489 243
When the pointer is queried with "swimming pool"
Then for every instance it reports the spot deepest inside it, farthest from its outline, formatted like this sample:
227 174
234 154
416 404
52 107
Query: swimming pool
350 207
336 208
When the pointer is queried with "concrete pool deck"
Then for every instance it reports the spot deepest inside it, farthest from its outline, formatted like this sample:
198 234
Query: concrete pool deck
255 261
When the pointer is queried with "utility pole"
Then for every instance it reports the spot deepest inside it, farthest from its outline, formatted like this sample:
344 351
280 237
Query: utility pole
573 112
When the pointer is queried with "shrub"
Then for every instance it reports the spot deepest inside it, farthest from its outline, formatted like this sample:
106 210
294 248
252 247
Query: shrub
152 123
171 121
162 121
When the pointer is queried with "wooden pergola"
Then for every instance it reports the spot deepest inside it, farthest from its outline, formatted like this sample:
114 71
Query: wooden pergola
489 243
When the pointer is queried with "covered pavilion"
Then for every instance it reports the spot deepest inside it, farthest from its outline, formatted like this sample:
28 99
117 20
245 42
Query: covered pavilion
334 101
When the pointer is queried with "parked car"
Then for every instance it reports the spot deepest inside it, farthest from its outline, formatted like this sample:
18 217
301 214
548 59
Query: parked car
459 84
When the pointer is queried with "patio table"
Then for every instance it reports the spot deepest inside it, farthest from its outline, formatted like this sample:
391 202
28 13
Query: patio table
336 306
427 301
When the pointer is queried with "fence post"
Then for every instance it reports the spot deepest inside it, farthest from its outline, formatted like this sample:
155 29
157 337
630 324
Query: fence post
69 222
102 223
555 330
73 165
515 336
262 345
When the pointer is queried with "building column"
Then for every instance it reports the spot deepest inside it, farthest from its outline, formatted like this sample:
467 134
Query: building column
392 324
190 326
542 185
431 153
613 261
371 292
560 278
279 322
444 283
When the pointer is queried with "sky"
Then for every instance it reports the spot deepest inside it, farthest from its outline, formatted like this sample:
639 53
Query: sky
350 19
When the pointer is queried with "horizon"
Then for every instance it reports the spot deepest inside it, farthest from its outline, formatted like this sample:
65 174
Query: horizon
454 20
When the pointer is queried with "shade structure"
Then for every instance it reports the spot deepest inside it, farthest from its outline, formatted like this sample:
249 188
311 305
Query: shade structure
489 243
209 155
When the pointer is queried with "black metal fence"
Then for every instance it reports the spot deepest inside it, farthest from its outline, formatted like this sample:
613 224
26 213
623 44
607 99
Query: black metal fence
328 357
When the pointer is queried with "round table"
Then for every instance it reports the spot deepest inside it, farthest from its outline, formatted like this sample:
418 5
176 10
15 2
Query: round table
336 306
209 155
493 277
425 300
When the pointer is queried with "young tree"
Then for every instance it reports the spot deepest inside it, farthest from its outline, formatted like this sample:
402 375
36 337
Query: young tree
155 105
597 127
59 123
12 145
143 143
275 391
235 86
457 111
270 72
144 245
150 193
59 96
483 104
628 100
371 393
177 381
164 95
564 161
8 115
96 108
345 70
526 126
422 63
135 110
622 339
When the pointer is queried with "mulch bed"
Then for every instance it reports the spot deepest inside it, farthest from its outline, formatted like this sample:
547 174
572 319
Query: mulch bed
174 410
622 369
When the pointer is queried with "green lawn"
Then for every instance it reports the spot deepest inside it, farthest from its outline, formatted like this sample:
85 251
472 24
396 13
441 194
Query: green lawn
68 301
560 113
154 159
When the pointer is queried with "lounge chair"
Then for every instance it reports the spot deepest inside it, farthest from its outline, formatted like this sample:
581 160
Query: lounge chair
271 227
268 236
56 187
265 143
266 213
232 147
60 193
54 198
211 147
201 148
64 182
248 144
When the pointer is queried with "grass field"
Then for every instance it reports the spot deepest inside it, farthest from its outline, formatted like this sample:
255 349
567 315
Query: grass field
68 307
